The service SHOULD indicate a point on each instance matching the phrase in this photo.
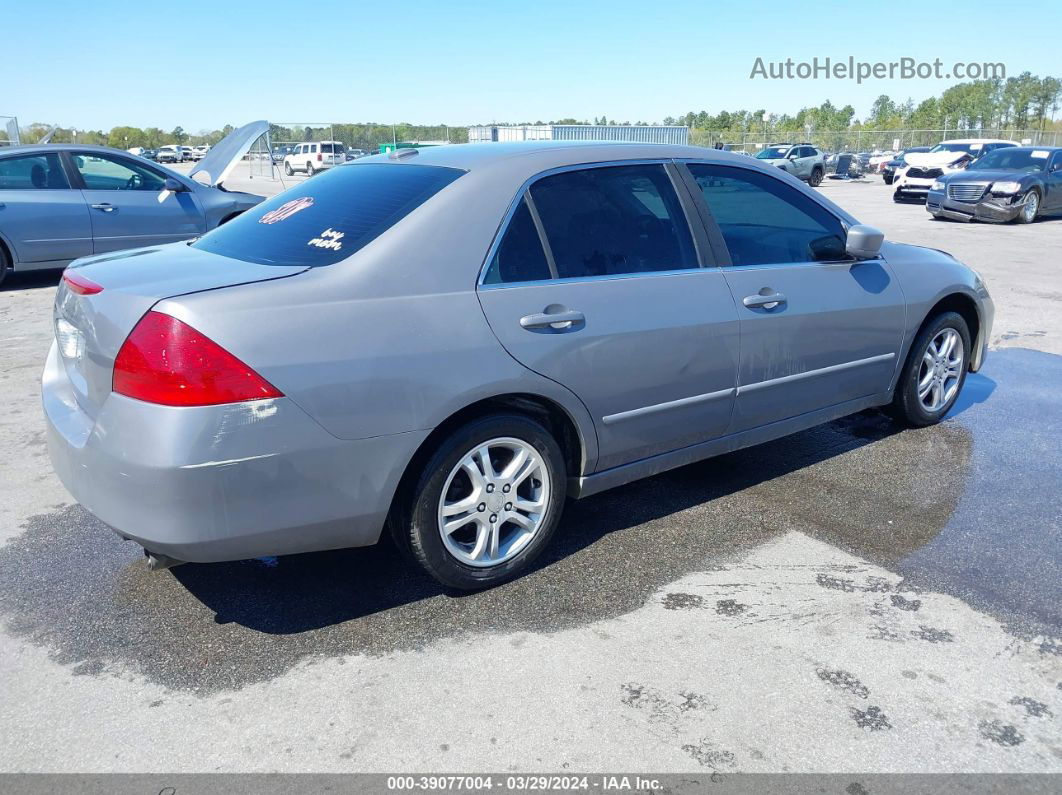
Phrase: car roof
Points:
(540, 155)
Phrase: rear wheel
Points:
(888, 179)
(816, 177)
(5, 264)
(309, 169)
(934, 373)
(485, 504)
(1030, 207)
(288, 169)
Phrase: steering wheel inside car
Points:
(135, 182)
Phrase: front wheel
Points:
(486, 503)
(934, 373)
(888, 179)
(1030, 207)
(5, 265)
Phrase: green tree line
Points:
(1025, 102)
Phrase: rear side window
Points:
(328, 218)
(613, 220)
(520, 257)
(765, 221)
(32, 172)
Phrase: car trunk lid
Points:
(90, 327)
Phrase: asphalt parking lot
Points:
(852, 598)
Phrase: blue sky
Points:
(203, 65)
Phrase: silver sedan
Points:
(450, 342)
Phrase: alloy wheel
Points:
(941, 370)
(1029, 209)
(494, 502)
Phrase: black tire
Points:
(816, 177)
(5, 264)
(1023, 217)
(888, 179)
(906, 407)
(287, 169)
(415, 524)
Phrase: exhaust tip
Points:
(159, 562)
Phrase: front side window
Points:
(765, 221)
(103, 172)
(613, 220)
(326, 219)
(32, 172)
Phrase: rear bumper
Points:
(993, 209)
(224, 482)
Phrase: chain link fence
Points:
(868, 140)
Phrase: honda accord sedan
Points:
(448, 343)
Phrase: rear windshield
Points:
(329, 217)
(329, 147)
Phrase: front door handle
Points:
(107, 208)
(561, 321)
(764, 298)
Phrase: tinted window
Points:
(32, 171)
(338, 148)
(613, 220)
(520, 257)
(765, 221)
(102, 172)
(328, 218)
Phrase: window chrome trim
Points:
(503, 227)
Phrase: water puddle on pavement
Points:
(970, 507)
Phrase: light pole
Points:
(766, 117)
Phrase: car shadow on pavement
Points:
(30, 280)
(69, 583)
(610, 551)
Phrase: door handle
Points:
(561, 321)
(767, 300)
(107, 208)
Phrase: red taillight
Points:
(166, 361)
(319, 157)
(80, 285)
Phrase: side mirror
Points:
(173, 186)
(791, 156)
(863, 242)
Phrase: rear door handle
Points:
(561, 321)
(768, 300)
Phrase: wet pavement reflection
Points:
(970, 507)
